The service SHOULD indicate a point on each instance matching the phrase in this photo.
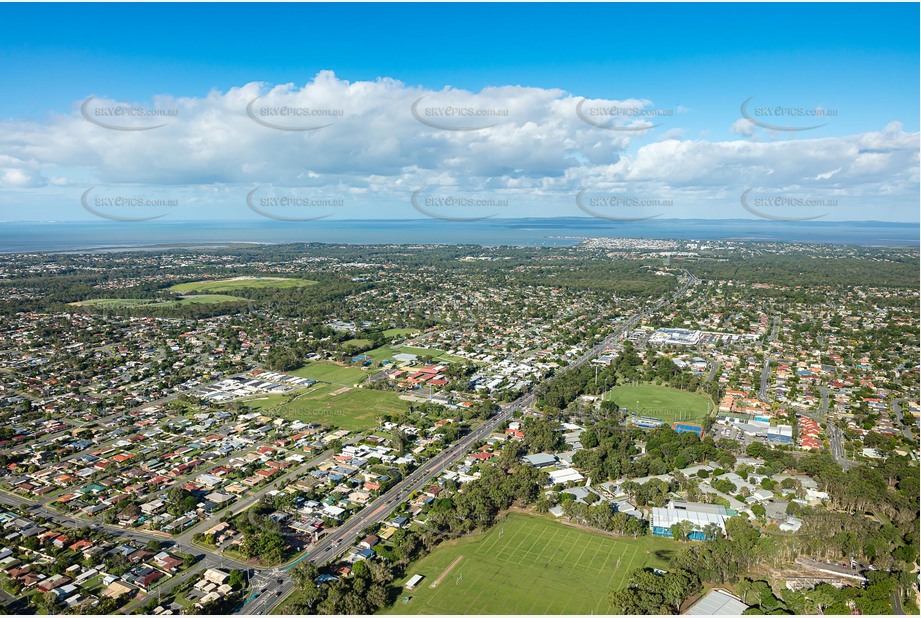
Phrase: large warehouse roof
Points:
(717, 603)
(565, 475)
(667, 517)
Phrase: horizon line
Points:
(418, 219)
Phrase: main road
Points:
(835, 444)
(897, 413)
(766, 368)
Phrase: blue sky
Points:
(697, 62)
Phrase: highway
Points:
(714, 368)
(897, 414)
(766, 368)
(765, 376)
(267, 590)
(833, 433)
(834, 443)
(823, 391)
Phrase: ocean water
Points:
(22, 237)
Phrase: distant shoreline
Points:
(158, 247)
(91, 236)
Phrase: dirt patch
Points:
(445, 572)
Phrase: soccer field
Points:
(436, 354)
(668, 404)
(528, 565)
(400, 332)
(354, 409)
(325, 371)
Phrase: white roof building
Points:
(717, 602)
(540, 460)
(698, 514)
(565, 475)
(413, 581)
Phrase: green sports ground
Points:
(663, 402)
(528, 564)
(355, 409)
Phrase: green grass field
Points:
(662, 402)
(116, 303)
(386, 352)
(356, 343)
(325, 371)
(436, 354)
(401, 332)
(380, 354)
(230, 285)
(355, 409)
(529, 564)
